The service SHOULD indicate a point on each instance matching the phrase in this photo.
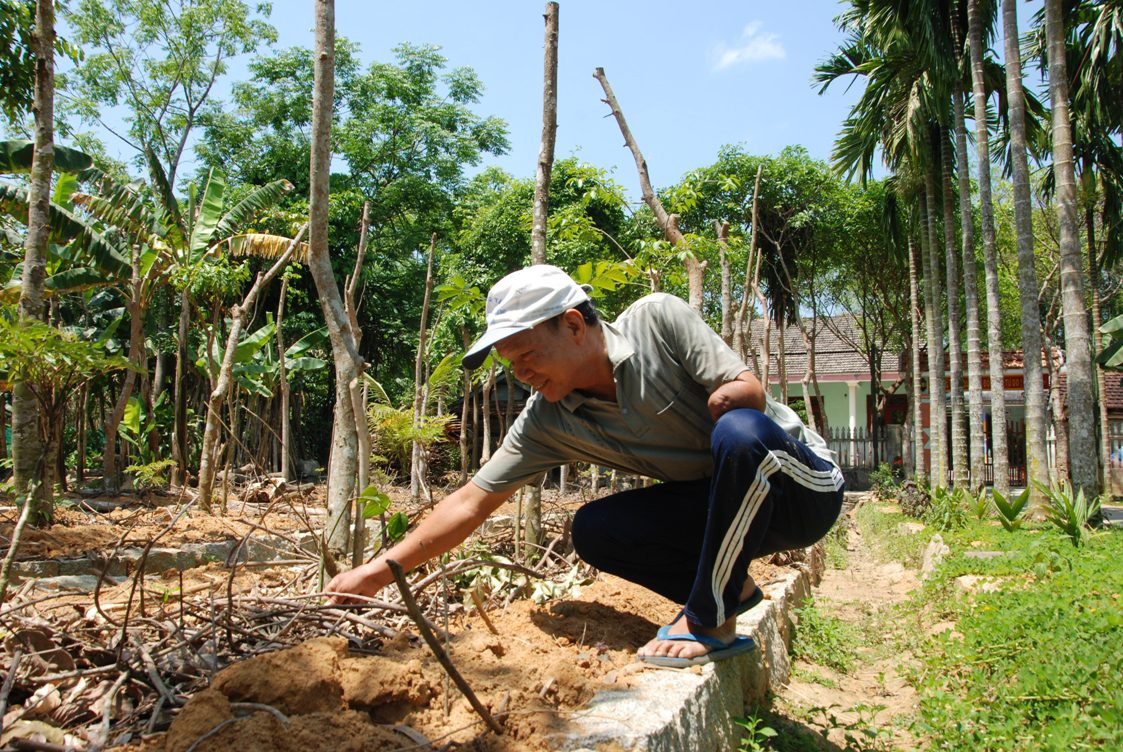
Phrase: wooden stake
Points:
(435, 646)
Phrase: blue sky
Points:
(688, 78)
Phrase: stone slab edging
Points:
(670, 710)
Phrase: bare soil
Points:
(254, 663)
(874, 696)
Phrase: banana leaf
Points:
(210, 213)
(241, 213)
(16, 155)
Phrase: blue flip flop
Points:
(719, 650)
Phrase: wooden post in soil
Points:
(532, 528)
(358, 394)
(695, 269)
(418, 464)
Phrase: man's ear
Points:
(574, 323)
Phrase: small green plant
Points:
(947, 510)
(374, 503)
(1010, 510)
(151, 474)
(756, 735)
(838, 557)
(980, 504)
(860, 735)
(1070, 510)
(823, 639)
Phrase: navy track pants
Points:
(692, 541)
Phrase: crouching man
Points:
(655, 393)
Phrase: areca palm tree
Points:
(901, 52)
(990, 252)
(1036, 457)
(1083, 449)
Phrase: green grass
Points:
(1036, 665)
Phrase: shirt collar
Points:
(620, 351)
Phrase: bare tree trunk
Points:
(782, 363)
(357, 392)
(283, 387)
(348, 364)
(722, 232)
(1089, 180)
(3, 432)
(743, 343)
(485, 400)
(465, 412)
(1036, 422)
(135, 306)
(920, 469)
(1081, 396)
(207, 458)
(27, 443)
(549, 135)
(960, 477)
(179, 431)
(417, 465)
(532, 529)
(695, 269)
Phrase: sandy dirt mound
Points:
(545, 661)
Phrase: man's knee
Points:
(587, 534)
(741, 429)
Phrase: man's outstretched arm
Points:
(450, 522)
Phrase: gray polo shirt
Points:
(666, 362)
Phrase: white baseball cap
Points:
(521, 301)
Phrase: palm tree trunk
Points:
(955, 353)
(1037, 458)
(1083, 451)
(287, 470)
(1089, 179)
(971, 305)
(937, 415)
(990, 259)
(920, 469)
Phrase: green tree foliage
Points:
(797, 207)
(52, 363)
(160, 61)
(405, 134)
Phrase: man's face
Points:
(543, 357)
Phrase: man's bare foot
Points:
(726, 632)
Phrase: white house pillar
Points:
(852, 390)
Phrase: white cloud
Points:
(754, 46)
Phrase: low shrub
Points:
(913, 500)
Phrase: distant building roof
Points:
(836, 357)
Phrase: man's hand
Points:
(365, 580)
(450, 522)
(744, 391)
